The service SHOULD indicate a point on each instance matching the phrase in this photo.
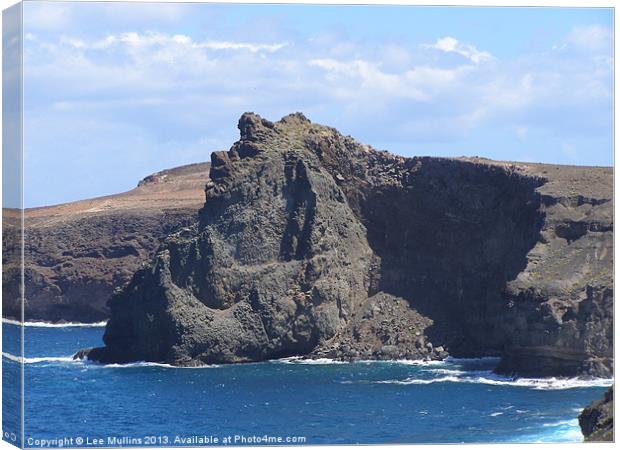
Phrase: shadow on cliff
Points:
(449, 241)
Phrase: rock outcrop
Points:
(597, 420)
(312, 244)
(76, 254)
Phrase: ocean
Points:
(289, 401)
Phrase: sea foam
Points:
(151, 364)
(71, 360)
(495, 380)
(55, 325)
(301, 360)
(327, 361)
(37, 360)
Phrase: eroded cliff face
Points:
(276, 264)
(76, 254)
(310, 243)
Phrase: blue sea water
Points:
(314, 403)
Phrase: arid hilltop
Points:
(78, 253)
(310, 243)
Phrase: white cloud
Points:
(167, 66)
(176, 82)
(143, 40)
(227, 45)
(417, 83)
(451, 45)
(591, 38)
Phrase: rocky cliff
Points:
(597, 420)
(310, 243)
(76, 254)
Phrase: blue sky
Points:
(114, 91)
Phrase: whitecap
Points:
(70, 359)
(491, 379)
(446, 371)
(571, 422)
(36, 360)
(149, 364)
(402, 362)
(543, 383)
(301, 360)
(55, 325)
(420, 381)
(12, 357)
(406, 362)
(418, 362)
(560, 431)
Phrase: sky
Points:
(116, 91)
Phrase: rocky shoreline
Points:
(597, 420)
(310, 243)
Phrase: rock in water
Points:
(275, 266)
(310, 243)
(597, 420)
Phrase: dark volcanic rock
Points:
(275, 266)
(310, 243)
(597, 420)
(76, 254)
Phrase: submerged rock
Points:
(310, 243)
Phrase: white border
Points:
(532, 3)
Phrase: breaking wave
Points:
(302, 360)
(327, 361)
(70, 360)
(150, 364)
(495, 380)
(428, 373)
(55, 325)
(37, 360)
(554, 432)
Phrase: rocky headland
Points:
(310, 243)
(76, 254)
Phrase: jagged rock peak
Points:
(259, 135)
(296, 117)
(252, 126)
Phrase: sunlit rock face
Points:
(310, 243)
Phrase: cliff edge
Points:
(77, 253)
(310, 243)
